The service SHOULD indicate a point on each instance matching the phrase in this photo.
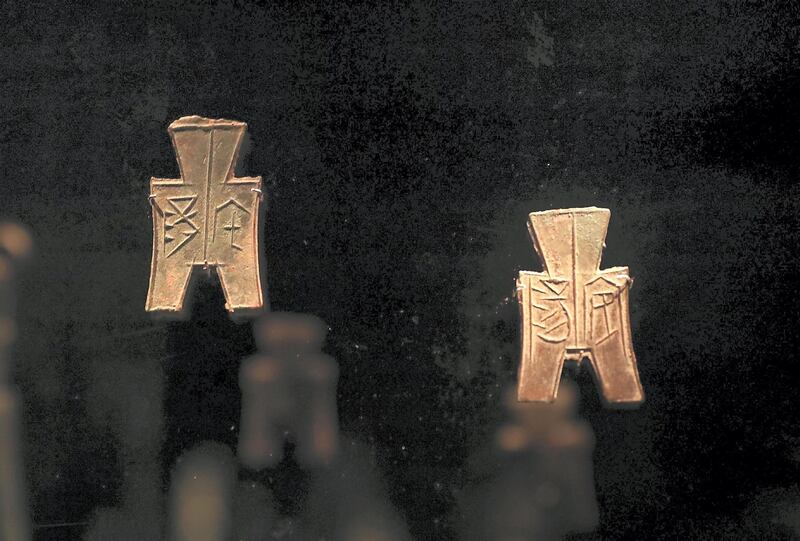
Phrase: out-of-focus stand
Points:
(15, 247)
(289, 392)
(289, 387)
(535, 480)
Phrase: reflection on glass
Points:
(535, 480)
(288, 387)
(15, 247)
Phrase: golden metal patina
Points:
(575, 311)
(206, 218)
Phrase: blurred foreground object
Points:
(348, 501)
(289, 386)
(15, 247)
(201, 495)
(207, 218)
(573, 310)
(207, 503)
(535, 481)
(127, 397)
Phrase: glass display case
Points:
(347, 357)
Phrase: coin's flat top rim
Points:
(195, 121)
(578, 210)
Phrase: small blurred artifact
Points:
(15, 247)
(208, 218)
(574, 311)
(289, 387)
(535, 481)
(201, 495)
(348, 502)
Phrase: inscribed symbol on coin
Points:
(207, 217)
(575, 311)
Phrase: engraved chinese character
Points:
(575, 311)
(207, 218)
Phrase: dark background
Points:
(402, 148)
